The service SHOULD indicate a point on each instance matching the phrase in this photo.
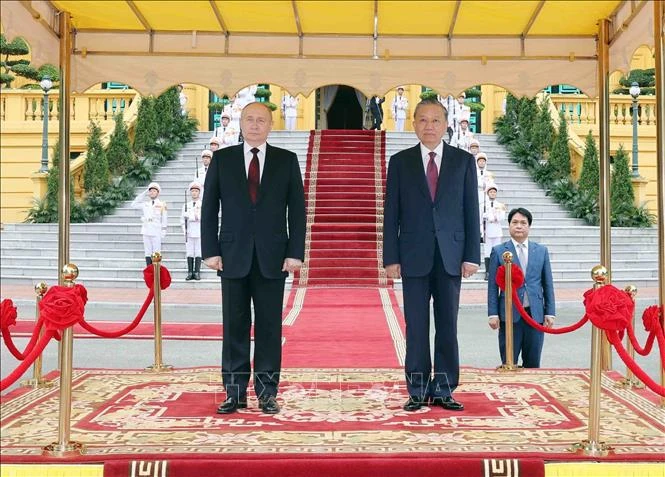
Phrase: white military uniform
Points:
(154, 221)
(462, 139)
(399, 109)
(290, 108)
(485, 177)
(494, 215)
(190, 222)
(456, 112)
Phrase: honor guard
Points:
(474, 147)
(494, 216)
(206, 158)
(220, 130)
(190, 221)
(290, 111)
(484, 177)
(463, 136)
(399, 109)
(215, 144)
(153, 219)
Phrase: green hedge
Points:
(527, 132)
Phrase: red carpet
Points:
(144, 331)
(345, 328)
(258, 466)
(344, 186)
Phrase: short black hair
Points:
(430, 101)
(522, 211)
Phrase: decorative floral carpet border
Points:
(529, 414)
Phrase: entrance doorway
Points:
(340, 107)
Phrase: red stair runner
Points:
(344, 187)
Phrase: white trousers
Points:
(491, 242)
(290, 123)
(193, 246)
(399, 125)
(152, 243)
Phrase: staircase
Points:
(109, 253)
(574, 247)
(345, 219)
(344, 183)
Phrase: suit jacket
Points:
(275, 226)
(413, 223)
(537, 282)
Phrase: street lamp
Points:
(46, 84)
(635, 93)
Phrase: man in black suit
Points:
(261, 239)
(376, 108)
(430, 240)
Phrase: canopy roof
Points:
(303, 44)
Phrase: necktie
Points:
(521, 254)
(253, 176)
(432, 175)
(492, 204)
(153, 202)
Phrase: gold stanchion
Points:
(158, 366)
(630, 381)
(37, 380)
(592, 446)
(64, 447)
(510, 361)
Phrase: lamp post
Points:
(46, 84)
(635, 93)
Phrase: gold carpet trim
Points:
(294, 312)
(393, 325)
(311, 205)
(378, 190)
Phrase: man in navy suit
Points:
(536, 295)
(430, 240)
(260, 240)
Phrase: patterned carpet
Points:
(332, 412)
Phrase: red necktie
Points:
(432, 175)
(253, 176)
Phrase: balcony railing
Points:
(97, 105)
(579, 109)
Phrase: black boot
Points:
(197, 269)
(190, 268)
(148, 260)
(487, 269)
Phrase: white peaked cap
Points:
(195, 185)
(154, 185)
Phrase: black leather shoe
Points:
(231, 405)
(269, 405)
(447, 403)
(414, 403)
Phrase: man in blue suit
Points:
(430, 240)
(536, 294)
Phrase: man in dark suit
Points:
(430, 239)
(376, 108)
(536, 294)
(261, 239)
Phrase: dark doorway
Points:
(345, 111)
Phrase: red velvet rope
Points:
(8, 318)
(164, 277)
(62, 307)
(613, 337)
(115, 334)
(517, 281)
(29, 359)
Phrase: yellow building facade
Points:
(21, 119)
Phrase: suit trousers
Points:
(445, 290)
(526, 340)
(268, 296)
